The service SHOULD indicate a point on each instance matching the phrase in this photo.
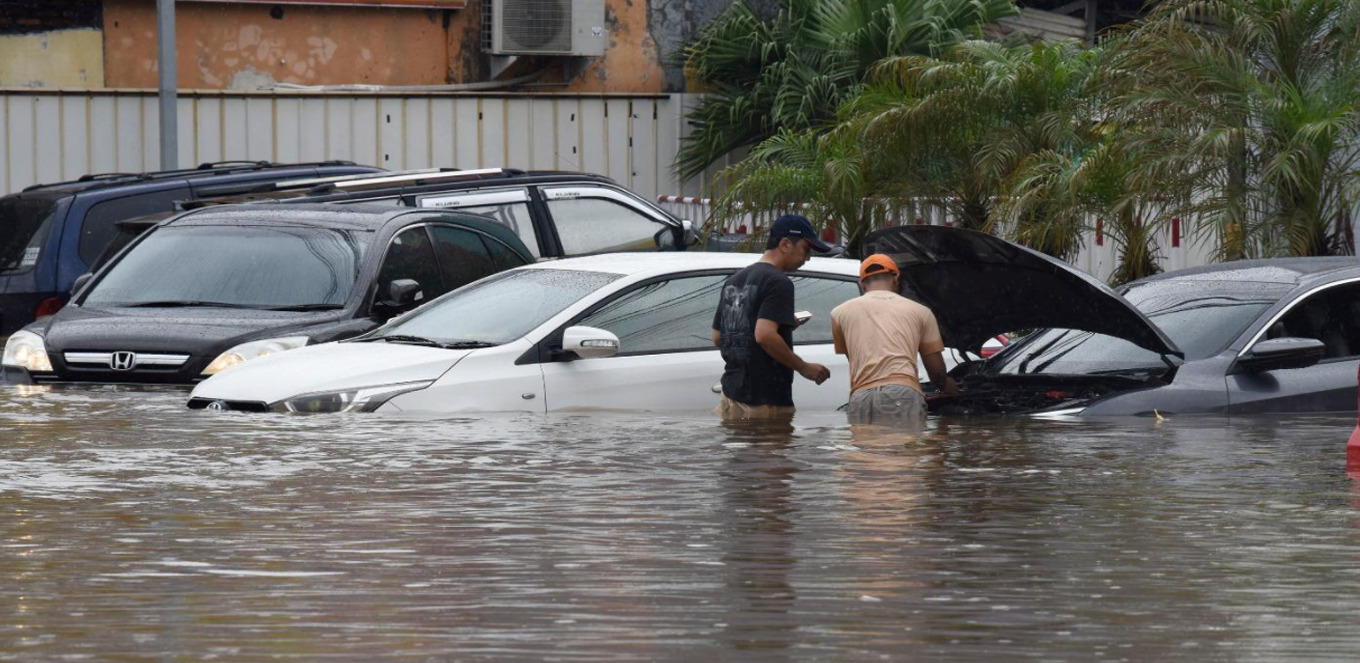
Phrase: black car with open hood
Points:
(1217, 339)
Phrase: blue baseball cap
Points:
(795, 227)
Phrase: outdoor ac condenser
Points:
(545, 27)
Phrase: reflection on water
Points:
(133, 529)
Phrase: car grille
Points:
(124, 361)
(234, 406)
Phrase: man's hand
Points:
(815, 372)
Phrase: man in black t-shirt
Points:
(754, 326)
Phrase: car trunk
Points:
(978, 286)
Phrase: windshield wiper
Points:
(402, 338)
(1024, 364)
(469, 345)
(187, 303)
(306, 307)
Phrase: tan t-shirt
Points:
(883, 332)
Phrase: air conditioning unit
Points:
(544, 27)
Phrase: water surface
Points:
(132, 529)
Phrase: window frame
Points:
(548, 193)
(1282, 311)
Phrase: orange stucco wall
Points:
(240, 46)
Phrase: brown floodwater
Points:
(132, 529)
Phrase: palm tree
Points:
(955, 129)
(791, 73)
(1255, 105)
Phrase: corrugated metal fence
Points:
(48, 136)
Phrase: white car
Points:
(618, 331)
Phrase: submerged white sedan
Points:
(619, 331)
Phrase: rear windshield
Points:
(25, 222)
(250, 266)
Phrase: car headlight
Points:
(366, 399)
(26, 350)
(253, 350)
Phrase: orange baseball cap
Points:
(876, 264)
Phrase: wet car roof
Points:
(629, 264)
(1287, 271)
(348, 217)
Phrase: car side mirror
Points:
(589, 342)
(402, 293)
(667, 239)
(1281, 353)
(80, 282)
(690, 234)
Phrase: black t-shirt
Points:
(752, 376)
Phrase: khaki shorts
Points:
(731, 410)
(893, 405)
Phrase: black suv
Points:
(556, 214)
(212, 288)
(51, 234)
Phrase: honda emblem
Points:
(123, 361)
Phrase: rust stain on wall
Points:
(227, 46)
(632, 62)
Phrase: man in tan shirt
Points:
(881, 333)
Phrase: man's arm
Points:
(838, 337)
(717, 338)
(934, 363)
(767, 335)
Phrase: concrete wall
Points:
(57, 59)
(248, 46)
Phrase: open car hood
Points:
(979, 285)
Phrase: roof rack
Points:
(405, 179)
(313, 181)
(203, 169)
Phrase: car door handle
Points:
(717, 387)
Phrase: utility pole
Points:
(169, 114)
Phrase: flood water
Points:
(132, 529)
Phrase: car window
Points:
(250, 266)
(24, 226)
(410, 256)
(1331, 316)
(463, 257)
(818, 295)
(501, 308)
(98, 229)
(514, 216)
(595, 225)
(504, 256)
(509, 207)
(665, 316)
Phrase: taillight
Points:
(49, 306)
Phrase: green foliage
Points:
(1241, 117)
(1252, 105)
(792, 72)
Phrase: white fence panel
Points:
(48, 136)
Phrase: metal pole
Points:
(165, 34)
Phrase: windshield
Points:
(1200, 317)
(499, 308)
(245, 266)
(24, 224)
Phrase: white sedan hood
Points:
(328, 367)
